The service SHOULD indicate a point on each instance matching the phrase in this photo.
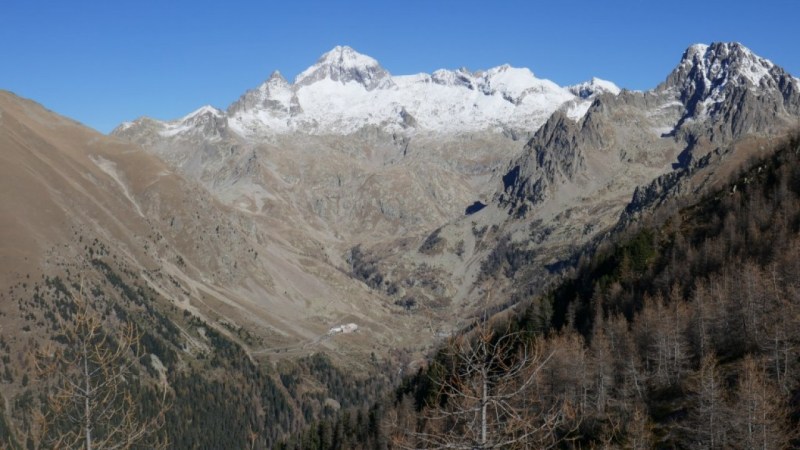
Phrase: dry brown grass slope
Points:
(64, 185)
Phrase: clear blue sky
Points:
(104, 62)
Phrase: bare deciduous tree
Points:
(709, 418)
(760, 414)
(489, 397)
(91, 402)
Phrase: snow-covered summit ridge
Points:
(345, 91)
(593, 87)
(344, 64)
(585, 94)
(201, 111)
(205, 120)
(708, 70)
(722, 62)
(708, 75)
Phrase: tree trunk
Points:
(87, 406)
(484, 398)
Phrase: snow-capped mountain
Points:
(731, 90)
(706, 70)
(345, 91)
(716, 95)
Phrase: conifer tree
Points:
(92, 386)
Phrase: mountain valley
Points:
(242, 240)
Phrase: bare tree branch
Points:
(91, 404)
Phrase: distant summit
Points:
(593, 87)
(345, 91)
(736, 91)
(344, 65)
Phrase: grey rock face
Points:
(408, 120)
(554, 148)
(666, 187)
(460, 77)
(264, 96)
(555, 155)
(209, 124)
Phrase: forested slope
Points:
(683, 333)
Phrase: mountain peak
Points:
(276, 81)
(202, 111)
(275, 94)
(721, 63)
(344, 64)
(732, 87)
(276, 76)
(732, 52)
(592, 87)
(694, 50)
(345, 56)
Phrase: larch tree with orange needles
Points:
(92, 381)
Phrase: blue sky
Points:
(104, 62)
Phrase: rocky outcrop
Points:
(208, 122)
(273, 95)
(551, 156)
(593, 88)
(669, 186)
